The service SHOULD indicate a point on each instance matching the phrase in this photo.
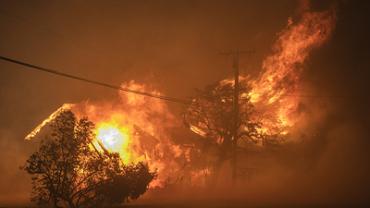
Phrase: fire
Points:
(198, 130)
(137, 127)
(114, 139)
(273, 92)
(35, 131)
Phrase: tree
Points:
(68, 171)
(211, 115)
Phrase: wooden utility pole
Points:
(235, 131)
(236, 115)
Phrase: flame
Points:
(114, 138)
(198, 130)
(137, 128)
(45, 122)
(273, 93)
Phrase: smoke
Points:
(15, 183)
(175, 44)
(329, 170)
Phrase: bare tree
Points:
(68, 171)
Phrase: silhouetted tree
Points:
(68, 171)
(211, 115)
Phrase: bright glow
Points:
(114, 138)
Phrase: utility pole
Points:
(236, 115)
(234, 143)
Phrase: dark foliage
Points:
(68, 171)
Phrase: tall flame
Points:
(275, 92)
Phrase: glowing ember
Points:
(198, 130)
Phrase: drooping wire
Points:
(71, 76)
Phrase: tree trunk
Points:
(71, 204)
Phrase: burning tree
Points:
(68, 171)
(211, 116)
(137, 128)
(271, 95)
(270, 105)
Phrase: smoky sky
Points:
(174, 46)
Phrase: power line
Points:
(70, 76)
(25, 20)
(20, 18)
(167, 98)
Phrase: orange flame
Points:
(114, 138)
(137, 128)
(274, 92)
